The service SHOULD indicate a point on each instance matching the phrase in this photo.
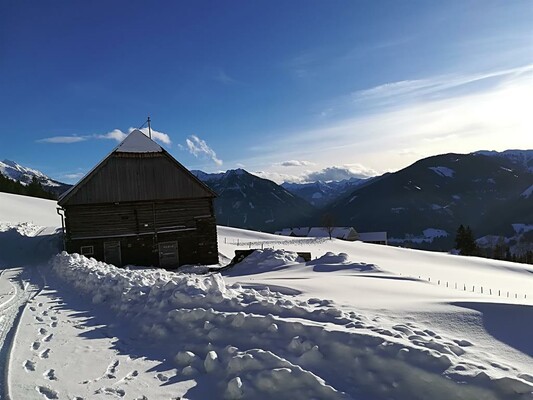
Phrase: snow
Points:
(428, 235)
(373, 236)
(24, 175)
(522, 228)
(443, 171)
(138, 142)
(359, 321)
(15, 209)
(434, 233)
(526, 193)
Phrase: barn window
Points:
(87, 250)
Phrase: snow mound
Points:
(23, 229)
(330, 262)
(266, 260)
(246, 343)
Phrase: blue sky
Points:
(286, 89)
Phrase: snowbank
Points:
(260, 344)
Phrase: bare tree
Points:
(328, 223)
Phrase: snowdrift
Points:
(264, 344)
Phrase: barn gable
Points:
(138, 169)
(140, 206)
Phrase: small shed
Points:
(339, 232)
(140, 206)
(373, 237)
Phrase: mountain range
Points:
(24, 175)
(419, 206)
(247, 201)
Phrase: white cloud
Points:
(224, 78)
(496, 114)
(295, 163)
(333, 173)
(277, 177)
(115, 134)
(340, 173)
(199, 148)
(73, 177)
(63, 139)
(156, 135)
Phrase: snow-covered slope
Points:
(25, 175)
(15, 208)
(524, 158)
(247, 201)
(359, 321)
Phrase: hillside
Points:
(247, 201)
(23, 180)
(320, 194)
(439, 193)
(359, 321)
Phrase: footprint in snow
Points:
(48, 337)
(39, 319)
(40, 304)
(162, 377)
(33, 308)
(50, 375)
(112, 391)
(53, 318)
(36, 345)
(45, 313)
(111, 370)
(44, 354)
(53, 324)
(131, 376)
(42, 331)
(48, 393)
(29, 366)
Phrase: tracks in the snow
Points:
(10, 314)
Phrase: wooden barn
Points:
(140, 206)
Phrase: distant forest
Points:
(33, 189)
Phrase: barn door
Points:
(112, 253)
(168, 254)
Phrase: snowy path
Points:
(66, 348)
(15, 293)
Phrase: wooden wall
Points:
(140, 226)
(124, 177)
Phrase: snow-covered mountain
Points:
(24, 175)
(247, 201)
(320, 193)
(489, 192)
(517, 157)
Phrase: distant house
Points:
(373, 237)
(141, 206)
(344, 233)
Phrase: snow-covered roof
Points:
(373, 236)
(138, 142)
(338, 232)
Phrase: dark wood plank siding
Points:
(108, 220)
(125, 177)
(194, 247)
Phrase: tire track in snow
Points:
(11, 313)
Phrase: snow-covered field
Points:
(359, 321)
